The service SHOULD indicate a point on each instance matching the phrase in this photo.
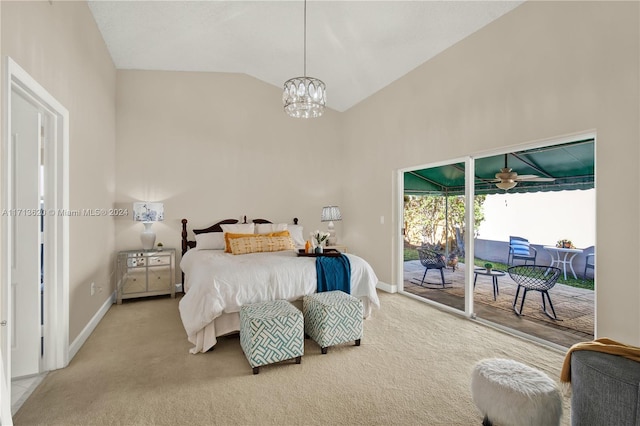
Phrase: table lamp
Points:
(329, 214)
(147, 213)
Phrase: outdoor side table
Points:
(494, 274)
(558, 259)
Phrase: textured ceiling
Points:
(355, 47)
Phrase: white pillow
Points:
(267, 228)
(238, 228)
(210, 241)
(297, 235)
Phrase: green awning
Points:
(571, 165)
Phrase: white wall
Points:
(544, 70)
(213, 146)
(541, 217)
(60, 46)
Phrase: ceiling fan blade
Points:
(508, 176)
(531, 178)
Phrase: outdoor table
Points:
(494, 274)
(563, 256)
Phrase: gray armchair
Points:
(604, 389)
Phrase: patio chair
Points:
(589, 263)
(534, 277)
(432, 260)
(519, 249)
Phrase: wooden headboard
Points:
(186, 244)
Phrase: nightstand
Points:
(339, 247)
(143, 273)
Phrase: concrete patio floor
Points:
(574, 307)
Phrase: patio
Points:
(574, 306)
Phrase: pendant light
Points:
(304, 97)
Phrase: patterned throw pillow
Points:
(261, 243)
(237, 228)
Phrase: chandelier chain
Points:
(305, 40)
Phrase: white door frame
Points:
(56, 268)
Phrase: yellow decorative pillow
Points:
(260, 243)
(284, 233)
(236, 228)
(228, 236)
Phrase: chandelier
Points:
(304, 97)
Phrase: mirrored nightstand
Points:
(145, 273)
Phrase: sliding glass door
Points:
(459, 257)
(434, 210)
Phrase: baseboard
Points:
(389, 288)
(88, 329)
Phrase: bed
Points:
(216, 283)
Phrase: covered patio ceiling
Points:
(571, 166)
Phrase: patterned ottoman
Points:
(270, 332)
(332, 317)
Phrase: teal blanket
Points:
(334, 273)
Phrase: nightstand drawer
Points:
(159, 260)
(135, 281)
(136, 262)
(158, 279)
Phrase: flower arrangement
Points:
(565, 244)
(319, 238)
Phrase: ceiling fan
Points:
(507, 178)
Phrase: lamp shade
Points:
(148, 212)
(331, 213)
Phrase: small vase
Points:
(318, 250)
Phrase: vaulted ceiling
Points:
(355, 47)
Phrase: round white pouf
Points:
(508, 392)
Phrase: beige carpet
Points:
(412, 368)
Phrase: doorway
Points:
(35, 249)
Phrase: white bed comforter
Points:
(218, 283)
